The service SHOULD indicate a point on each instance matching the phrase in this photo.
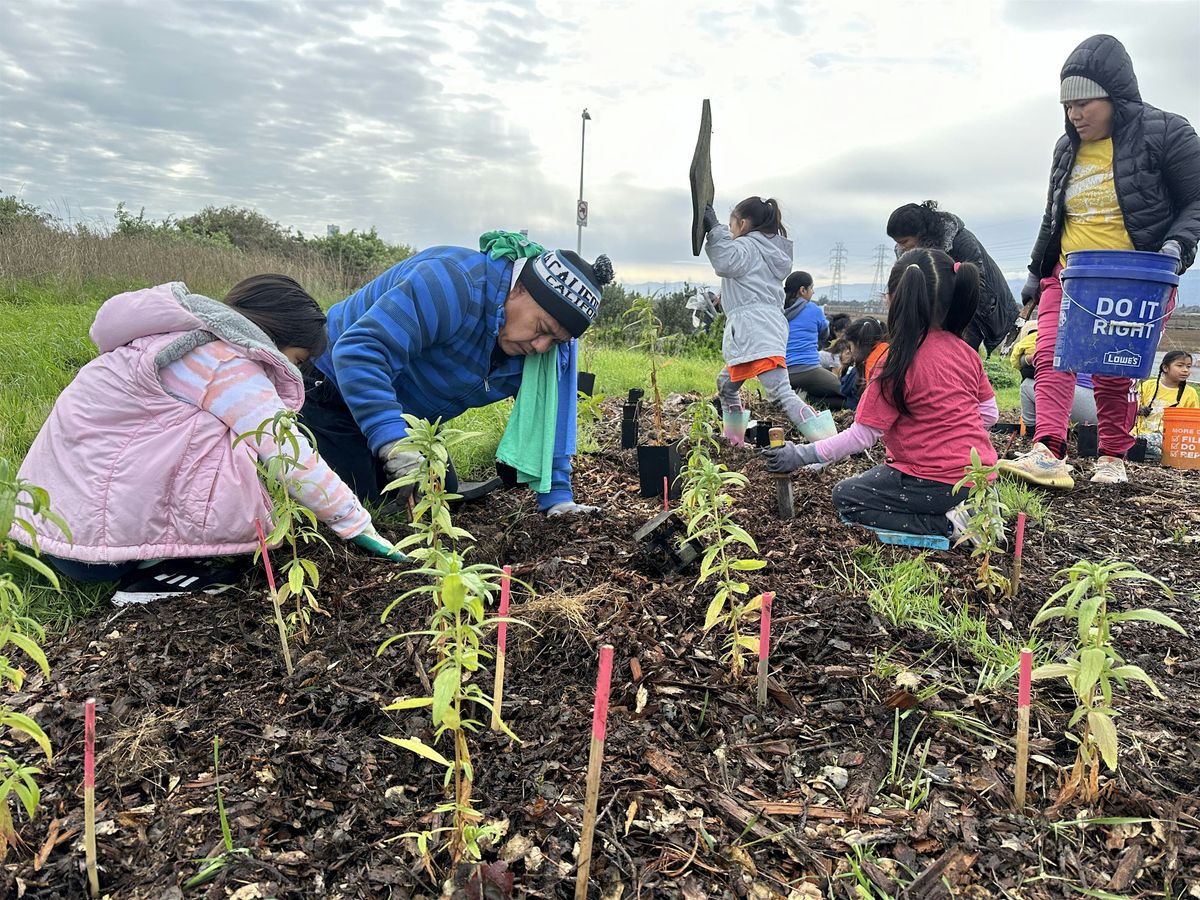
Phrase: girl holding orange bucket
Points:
(1166, 390)
(1125, 176)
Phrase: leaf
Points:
(1087, 617)
(445, 689)
(1104, 732)
(1055, 670)
(454, 592)
(1091, 664)
(750, 643)
(713, 616)
(409, 703)
(31, 649)
(1137, 674)
(419, 747)
(748, 565)
(1147, 615)
(296, 579)
(21, 722)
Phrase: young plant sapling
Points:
(460, 594)
(710, 521)
(211, 865)
(18, 500)
(1094, 665)
(590, 412)
(295, 523)
(647, 330)
(986, 527)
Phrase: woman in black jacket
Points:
(924, 225)
(1125, 176)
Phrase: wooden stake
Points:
(283, 641)
(595, 757)
(1023, 697)
(89, 794)
(1015, 582)
(783, 483)
(501, 640)
(764, 647)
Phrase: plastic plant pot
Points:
(655, 464)
(819, 427)
(585, 382)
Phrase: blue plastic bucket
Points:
(1113, 307)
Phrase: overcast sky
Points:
(435, 121)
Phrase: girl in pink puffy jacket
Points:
(138, 452)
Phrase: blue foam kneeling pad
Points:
(903, 538)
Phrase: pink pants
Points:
(1116, 396)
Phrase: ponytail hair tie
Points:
(913, 266)
(956, 265)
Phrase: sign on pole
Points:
(581, 210)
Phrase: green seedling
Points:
(1094, 666)
(912, 790)
(703, 428)
(18, 500)
(286, 439)
(708, 507)
(460, 594)
(590, 412)
(647, 329)
(986, 528)
(211, 865)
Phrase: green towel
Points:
(528, 442)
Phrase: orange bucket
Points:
(1181, 438)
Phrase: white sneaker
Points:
(960, 526)
(1110, 470)
(1040, 466)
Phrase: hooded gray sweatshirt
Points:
(752, 269)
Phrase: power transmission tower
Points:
(837, 259)
(877, 279)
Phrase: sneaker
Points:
(1040, 466)
(960, 526)
(961, 532)
(1110, 470)
(176, 578)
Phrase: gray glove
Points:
(710, 219)
(371, 541)
(396, 462)
(790, 457)
(568, 507)
(1172, 248)
(1029, 293)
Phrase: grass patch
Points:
(910, 593)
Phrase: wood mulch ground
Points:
(702, 795)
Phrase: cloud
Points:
(436, 122)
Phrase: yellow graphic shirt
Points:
(1094, 220)
(1158, 401)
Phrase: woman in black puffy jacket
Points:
(1125, 176)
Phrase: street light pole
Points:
(578, 209)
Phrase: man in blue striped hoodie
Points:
(445, 331)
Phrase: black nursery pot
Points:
(1087, 441)
(762, 434)
(635, 395)
(629, 425)
(655, 464)
(585, 382)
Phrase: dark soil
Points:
(702, 795)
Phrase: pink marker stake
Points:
(283, 641)
(501, 642)
(1023, 696)
(595, 757)
(1020, 543)
(764, 647)
(89, 794)
(666, 495)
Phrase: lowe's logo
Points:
(1122, 358)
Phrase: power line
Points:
(837, 259)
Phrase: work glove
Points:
(710, 219)
(396, 464)
(1172, 248)
(1029, 293)
(790, 457)
(371, 541)
(570, 508)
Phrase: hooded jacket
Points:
(1156, 162)
(752, 269)
(135, 472)
(997, 309)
